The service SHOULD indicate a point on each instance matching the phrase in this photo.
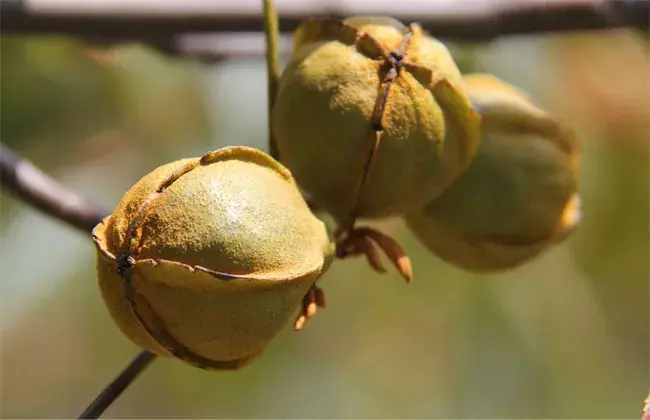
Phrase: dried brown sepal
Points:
(320, 297)
(372, 254)
(395, 253)
(311, 307)
(300, 322)
(363, 241)
(313, 300)
(361, 245)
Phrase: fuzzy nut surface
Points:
(367, 138)
(223, 250)
(519, 195)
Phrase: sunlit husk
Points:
(325, 112)
(224, 247)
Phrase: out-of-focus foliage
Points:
(50, 89)
(565, 336)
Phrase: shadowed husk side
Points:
(519, 195)
(223, 250)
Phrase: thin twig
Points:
(119, 384)
(36, 188)
(272, 35)
(160, 24)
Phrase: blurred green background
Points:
(565, 336)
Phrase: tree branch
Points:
(161, 23)
(36, 188)
(119, 384)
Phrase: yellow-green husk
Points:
(358, 159)
(225, 248)
(518, 197)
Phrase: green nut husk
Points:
(518, 197)
(206, 259)
(371, 117)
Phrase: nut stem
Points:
(118, 385)
(272, 34)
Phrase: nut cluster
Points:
(206, 259)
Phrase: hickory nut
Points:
(205, 259)
(371, 118)
(519, 195)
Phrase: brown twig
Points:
(119, 384)
(36, 188)
(114, 21)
